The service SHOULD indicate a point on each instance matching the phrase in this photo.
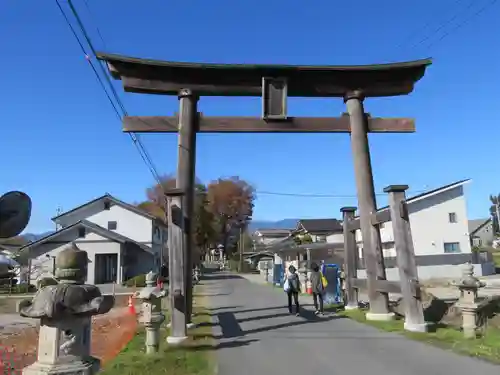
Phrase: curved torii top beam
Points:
(207, 79)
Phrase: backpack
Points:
(293, 283)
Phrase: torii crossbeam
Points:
(275, 83)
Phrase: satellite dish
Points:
(15, 213)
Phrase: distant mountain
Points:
(31, 237)
(280, 224)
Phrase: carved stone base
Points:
(351, 307)
(171, 340)
(88, 366)
(416, 327)
(380, 317)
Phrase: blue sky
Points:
(63, 145)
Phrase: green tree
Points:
(204, 231)
(231, 202)
(494, 211)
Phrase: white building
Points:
(267, 237)
(121, 240)
(440, 233)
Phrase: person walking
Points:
(318, 288)
(292, 289)
(342, 284)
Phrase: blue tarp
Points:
(278, 274)
(332, 292)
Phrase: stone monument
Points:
(469, 303)
(152, 317)
(65, 311)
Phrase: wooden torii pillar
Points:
(275, 83)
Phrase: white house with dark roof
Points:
(440, 233)
(267, 237)
(121, 240)
(481, 232)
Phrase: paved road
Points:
(258, 336)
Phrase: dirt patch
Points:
(8, 305)
(110, 334)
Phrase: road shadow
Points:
(229, 325)
(312, 320)
(213, 294)
(223, 277)
(212, 309)
(231, 328)
(268, 308)
(218, 346)
(242, 320)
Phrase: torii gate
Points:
(274, 83)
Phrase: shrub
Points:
(24, 288)
(139, 280)
(247, 267)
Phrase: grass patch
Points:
(194, 357)
(496, 258)
(443, 336)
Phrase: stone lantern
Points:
(469, 302)
(65, 311)
(152, 317)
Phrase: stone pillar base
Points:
(171, 340)
(384, 317)
(416, 327)
(87, 366)
(351, 307)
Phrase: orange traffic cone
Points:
(131, 307)
(309, 287)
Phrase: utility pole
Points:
(58, 212)
(240, 244)
(497, 210)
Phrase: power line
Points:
(93, 18)
(460, 25)
(417, 31)
(443, 25)
(455, 16)
(135, 139)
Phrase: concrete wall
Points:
(430, 225)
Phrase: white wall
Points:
(337, 238)
(92, 243)
(129, 224)
(270, 240)
(446, 271)
(430, 224)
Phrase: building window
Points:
(112, 225)
(81, 232)
(107, 205)
(320, 238)
(451, 247)
(452, 217)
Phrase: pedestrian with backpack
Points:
(292, 289)
(318, 288)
